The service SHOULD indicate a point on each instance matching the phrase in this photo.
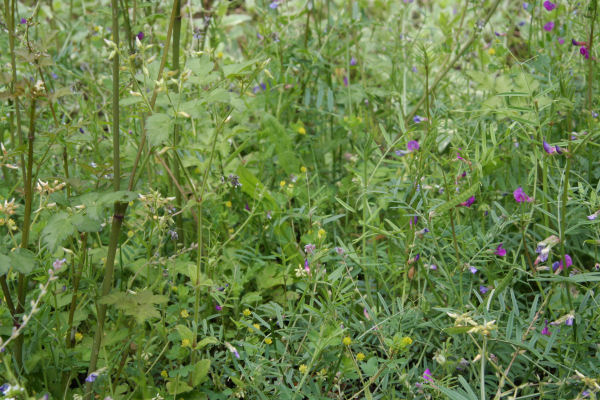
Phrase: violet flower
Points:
(500, 251)
(309, 248)
(545, 330)
(548, 5)
(483, 289)
(412, 145)
(427, 375)
(140, 35)
(418, 119)
(520, 196)
(549, 26)
(473, 269)
(583, 50)
(353, 61)
(469, 202)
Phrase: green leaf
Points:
(22, 260)
(235, 19)
(206, 341)
(201, 66)
(453, 330)
(179, 387)
(200, 372)
(159, 129)
(185, 332)
(4, 264)
(58, 228)
(83, 223)
(453, 202)
(238, 69)
(123, 196)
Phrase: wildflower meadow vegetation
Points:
(299, 199)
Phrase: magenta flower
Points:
(520, 196)
(345, 80)
(469, 202)
(306, 266)
(500, 251)
(549, 26)
(548, 5)
(584, 52)
(561, 40)
(412, 145)
(218, 307)
(546, 331)
(578, 43)
(353, 61)
(427, 375)
(140, 35)
(23, 21)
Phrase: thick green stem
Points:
(119, 208)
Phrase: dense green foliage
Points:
(299, 199)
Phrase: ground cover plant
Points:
(299, 199)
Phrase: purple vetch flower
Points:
(232, 349)
(418, 119)
(140, 35)
(483, 289)
(414, 69)
(23, 21)
(561, 40)
(585, 393)
(345, 80)
(269, 216)
(306, 266)
(569, 320)
(413, 220)
(594, 114)
(520, 196)
(353, 61)
(91, 377)
(309, 248)
(578, 43)
(412, 145)
(545, 330)
(548, 5)
(550, 149)
(274, 5)
(558, 265)
(583, 50)
(366, 313)
(500, 251)
(433, 267)
(174, 234)
(58, 263)
(247, 207)
(472, 269)
(549, 26)
(521, 23)
(593, 216)
(469, 202)
(339, 251)
(218, 307)
(525, 6)
(427, 375)
(263, 86)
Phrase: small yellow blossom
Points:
(230, 231)
(268, 340)
(405, 342)
(321, 233)
(291, 186)
(347, 341)
(228, 204)
(130, 234)
(301, 130)
(164, 374)
(303, 368)
(220, 54)
(303, 169)
(246, 313)
(78, 336)
(282, 183)
(360, 356)
(256, 326)
(184, 313)
(186, 343)
(491, 51)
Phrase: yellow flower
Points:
(268, 340)
(321, 233)
(491, 51)
(246, 313)
(184, 313)
(405, 342)
(347, 341)
(303, 169)
(291, 185)
(220, 54)
(302, 368)
(301, 130)
(360, 356)
(78, 336)
(231, 231)
(130, 234)
(256, 326)
(228, 204)
(282, 183)
(185, 343)
(164, 374)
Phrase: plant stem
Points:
(175, 165)
(590, 77)
(119, 208)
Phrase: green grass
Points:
(232, 205)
